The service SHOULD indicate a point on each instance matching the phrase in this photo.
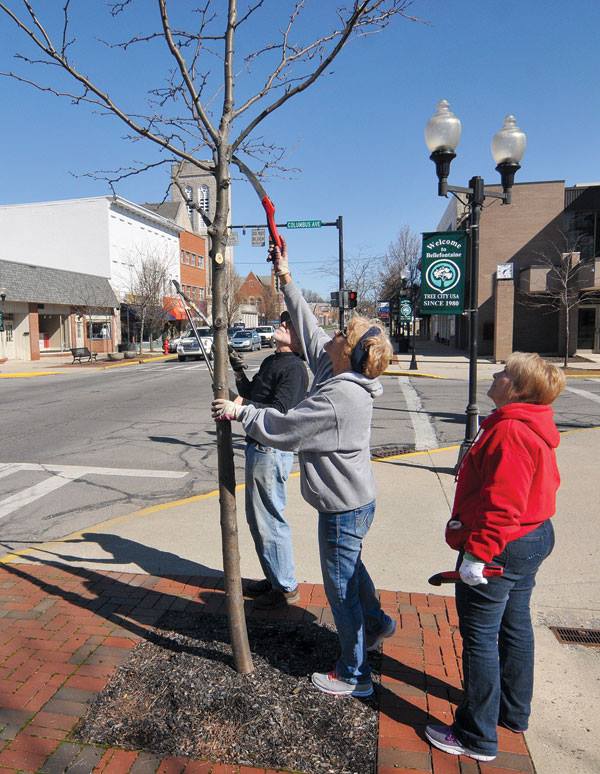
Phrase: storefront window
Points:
(581, 227)
(99, 330)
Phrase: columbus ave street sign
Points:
(304, 224)
(442, 272)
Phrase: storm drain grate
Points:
(568, 636)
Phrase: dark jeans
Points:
(350, 591)
(498, 653)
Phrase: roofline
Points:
(527, 182)
(51, 268)
(138, 209)
(117, 200)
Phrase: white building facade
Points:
(106, 237)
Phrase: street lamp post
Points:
(442, 135)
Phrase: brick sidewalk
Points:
(65, 630)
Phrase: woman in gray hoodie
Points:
(331, 432)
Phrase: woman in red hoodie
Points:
(505, 497)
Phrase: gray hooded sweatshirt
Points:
(330, 428)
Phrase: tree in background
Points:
(227, 66)
(148, 285)
(312, 296)
(566, 277)
(400, 271)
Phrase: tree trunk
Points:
(229, 530)
(567, 337)
(142, 331)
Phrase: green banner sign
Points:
(304, 224)
(406, 310)
(443, 263)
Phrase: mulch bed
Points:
(178, 694)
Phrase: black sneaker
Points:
(275, 598)
(255, 587)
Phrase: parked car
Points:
(188, 346)
(173, 343)
(246, 339)
(267, 335)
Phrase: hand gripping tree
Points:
(195, 114)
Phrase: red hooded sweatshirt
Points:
(508, 481)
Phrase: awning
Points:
(174, 308)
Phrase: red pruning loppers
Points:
(453, 576)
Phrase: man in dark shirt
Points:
(280, 383)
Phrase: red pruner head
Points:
(274, 238)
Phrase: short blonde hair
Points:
(534, 380)
(378, 346)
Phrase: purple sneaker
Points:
(443, 738)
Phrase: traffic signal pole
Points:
(340, 227)
(339, 224)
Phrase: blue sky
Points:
(356, 135)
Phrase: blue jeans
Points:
(498, 650)
(267, 472)
(349, 588)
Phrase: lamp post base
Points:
(413, 363)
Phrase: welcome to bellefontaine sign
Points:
(443, 261)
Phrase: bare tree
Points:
(564, 277)
(312, 296)
(94, 305)
(400, 269)
(360, 274)
(199, 112)
(149, 283)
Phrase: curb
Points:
(10, 557)
(416, 374)
(139, 361)
(29, 374)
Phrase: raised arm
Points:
(312, 336)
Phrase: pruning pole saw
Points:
(268, 206)
(187, 303)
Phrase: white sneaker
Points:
(331, 684)
(443, 738)
(374, 642)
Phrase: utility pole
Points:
(340, 227)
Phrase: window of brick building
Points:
(203, 198)
(192, 259)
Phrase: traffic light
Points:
(335, 298)
(352, 299)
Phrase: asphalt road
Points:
(88, 445)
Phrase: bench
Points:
(80, 352)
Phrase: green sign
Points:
(304, 224)
(442, 272)
(406, 310)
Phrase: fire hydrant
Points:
(166, 346)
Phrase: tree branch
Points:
(49, 49)
(365, 12)
(185, 74)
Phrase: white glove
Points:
(280, 259)
(471, 571)
(225, 409)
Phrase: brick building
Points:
(515, 291)
(258, 293)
